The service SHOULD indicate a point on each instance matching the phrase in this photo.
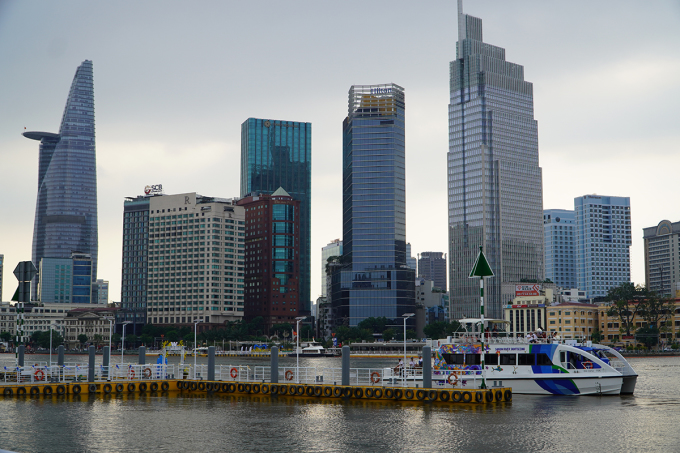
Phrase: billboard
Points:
(527, 290)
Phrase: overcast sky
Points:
(175, 80)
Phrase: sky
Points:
(175, 80)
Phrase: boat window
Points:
(526, 359)
(508, 359)
(543, 359)
(453, 359)
(491, 359)
(473, 359)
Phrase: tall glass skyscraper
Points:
(276, 153)
(374, 280)
(494, 181)
(66, 209)
(559, 229)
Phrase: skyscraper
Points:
(277, 153)
(374, 280)
(66, 208)
(494, 182)
(559, 227)
(602, 243)
(432, 266)
(333, 248)
(272, 254)
(662, 247)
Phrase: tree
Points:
(131, 340)
(596, 336)
(649, 336)
(388, 334)
(625, 304)
(115, 338)
(97, 339)
(656, 310)
(435, 330)
(374, 325)
(6, 336)
(82, 338)
(146, 339)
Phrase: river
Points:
(647, 421)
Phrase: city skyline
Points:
(161, 122)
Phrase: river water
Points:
(647, 421)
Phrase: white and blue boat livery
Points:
(542, 367)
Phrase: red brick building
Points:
(272, 257)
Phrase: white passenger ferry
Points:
(542, 366)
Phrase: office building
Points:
(277, 153)
(66, 208)
(272, 257)
(559, 229)
(572, 320)
(432, 266)
(662, 247)
(195, 260)
(494, 180)
(102, 292)
(65, 280)
(374, 279)
(333, 248)
(133, 292)
(603, 239)
(411, 261)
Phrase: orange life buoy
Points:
(233, 372)
(588, 365)
(131, 373)
(147, 373)
(40, 376)
(375, 377)
(289, 375)
(453, 378)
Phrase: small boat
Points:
(312, 349)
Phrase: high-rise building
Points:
(333, 248)
(432, 266)
(494, 182)
(559, 228)
(2, 263)
(102, 292)
(374, 280)
(277, 153)
(411, 261)
(66, 208)
(136, 238)
(195, 260)
(272, 257)
(65, 280)
(602, 243)
(662, 258)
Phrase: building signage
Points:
(527, 290)
(153, 190)
(527, 306)
(381, 90)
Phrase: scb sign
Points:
(152, 190)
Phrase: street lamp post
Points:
(297, 350)
(50, 346)
(195, 338)
(122, 342)
(406, 316)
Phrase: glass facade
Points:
(332, 249)
(66, 280)
(662, 246)
(494, 182)
(135, 263)
(277, 154)
(374, 280)
(66, 208)
(432, 266)
(602, 243)
(559, 227)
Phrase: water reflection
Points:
(174, 422)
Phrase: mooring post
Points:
(427, 367)
(345, 365)
(142, 355)
(60, 358)
(20, 355)
(274, 378)
(105, 363)
(211, 363)
(90, 367)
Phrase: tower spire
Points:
(461, 21)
